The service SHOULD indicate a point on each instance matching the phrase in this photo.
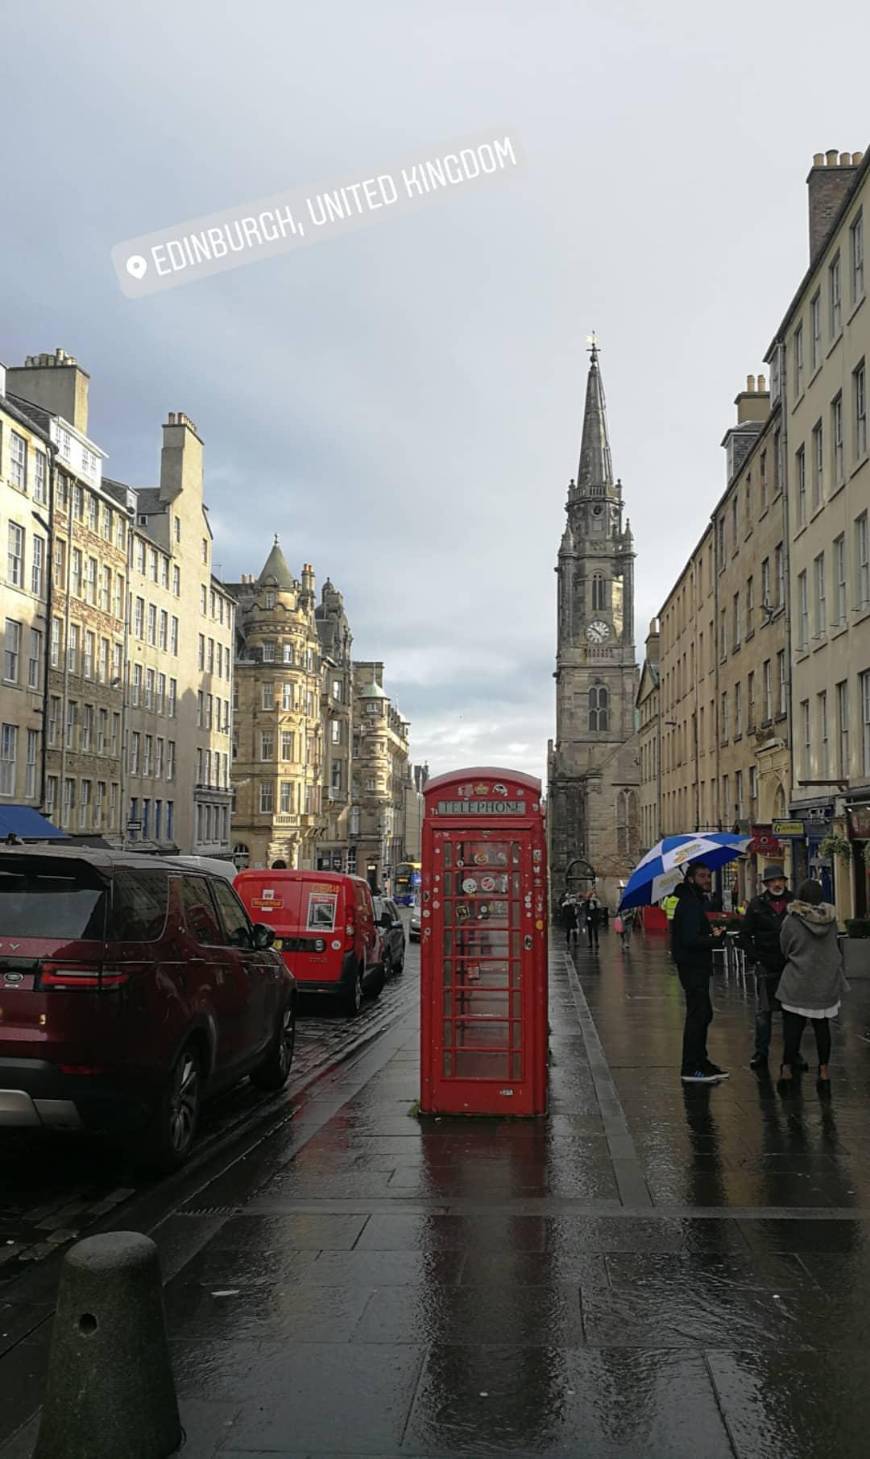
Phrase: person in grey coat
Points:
(812, 981)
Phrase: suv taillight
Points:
(54, 975)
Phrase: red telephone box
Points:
(483, 945)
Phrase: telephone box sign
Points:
(484, 945)
(480, 808)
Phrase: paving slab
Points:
(650, 1272)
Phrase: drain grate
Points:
(212, 1211)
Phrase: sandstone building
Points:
(380, 759)
(278, 752)
(81, 788)
(136, 633)
(818, 359)
(336, 698)
(26, 450)
(179, 659)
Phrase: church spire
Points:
(595, 468)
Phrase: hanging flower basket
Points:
(836, 845)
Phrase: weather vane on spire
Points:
(592, 346)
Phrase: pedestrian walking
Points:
(569, 920)
(692, 941)
(760, 936)
(623, 923)
(812, 983)
(592, 911)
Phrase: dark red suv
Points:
(131, 988)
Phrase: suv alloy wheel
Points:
(173, 1128)
(274, 1071)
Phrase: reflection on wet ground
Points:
(650, 1272)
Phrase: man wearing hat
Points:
(761, 928)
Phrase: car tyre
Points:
(274, 1071)
(375, 986)
(353, 994)
(170, 1136)
(400, 965)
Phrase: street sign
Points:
(796, 830)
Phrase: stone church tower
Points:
(592, 765)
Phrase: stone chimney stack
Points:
(181, 457)
(753, 403)
(56, 382)
(651, 650)
(829, 180)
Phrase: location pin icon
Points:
(137, 266)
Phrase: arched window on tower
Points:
(598, 702)
(599, 591)
(627, 829)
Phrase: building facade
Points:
(88, 535)
(137, 634)
(179, 660)
(818, 361)
(25, 471)
(336, 697)
(592, 763)
(649, 740)
(379, 771)
(278, 758)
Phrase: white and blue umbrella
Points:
(664, 866)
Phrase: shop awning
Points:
(28, 824)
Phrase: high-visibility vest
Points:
(670, 906)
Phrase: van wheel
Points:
(172, 1132)
(274, 1071)
(353, 994)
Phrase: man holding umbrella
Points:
(683, 863)
(692, 941)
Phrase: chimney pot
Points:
(845, 159)
(818, 159)
(831, 157)
(857, 158)
(750, 384)
(762, 384)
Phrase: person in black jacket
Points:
(761, 928)
(692, 942)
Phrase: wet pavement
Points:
(651, 1272)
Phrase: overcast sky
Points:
(403, 404)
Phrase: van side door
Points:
(365, 916)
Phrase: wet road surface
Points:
(652, 1272)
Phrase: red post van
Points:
(324, 925)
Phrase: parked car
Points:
(132, 989)
(414, 924)
(392, 928)
(215, 864)
(325, 927)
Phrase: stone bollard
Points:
(110, 1393)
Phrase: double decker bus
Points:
(407, 883)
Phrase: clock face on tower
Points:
(598, 631)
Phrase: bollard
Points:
(110, 1391)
